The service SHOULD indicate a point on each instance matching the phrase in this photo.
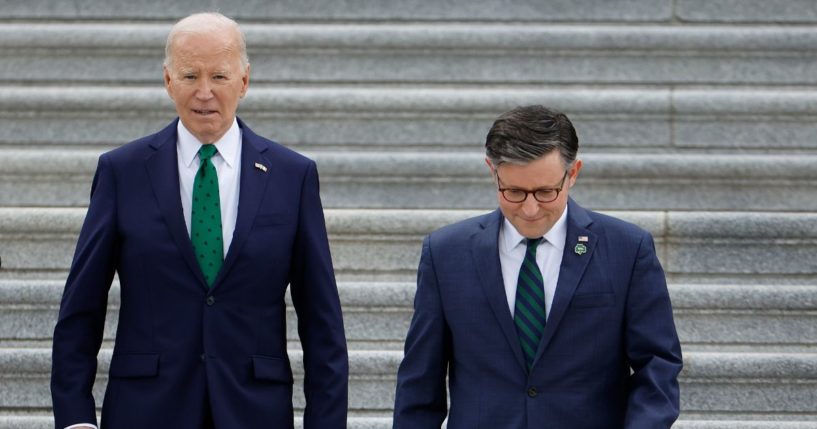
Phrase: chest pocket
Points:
(593, 300)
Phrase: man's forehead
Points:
(193, 54)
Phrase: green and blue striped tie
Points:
(205, 219)
(529, 310)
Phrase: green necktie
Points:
(529, 310)
(205, 220)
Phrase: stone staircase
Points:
(697, 120)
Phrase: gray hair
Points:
(528, 133)
(206, 22)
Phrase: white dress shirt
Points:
(549, 252)
(227, 162)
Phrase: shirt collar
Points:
(227, 145)
(556, 236)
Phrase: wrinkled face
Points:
(533, 218)
(206, 80)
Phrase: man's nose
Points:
(204, 90)
(530, 206)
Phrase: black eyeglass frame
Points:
(557, 191)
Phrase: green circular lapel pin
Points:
(580, 249)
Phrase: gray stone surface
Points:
(735, 118)
(677, 181)
(747, 243)
(479, 10)
(432, 118)
(368, 118)
(451, 52)
(747, 11)
(377, 314)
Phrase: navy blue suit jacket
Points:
(180, 346)
(609, 356)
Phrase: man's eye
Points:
(219, 77)
(189, 77)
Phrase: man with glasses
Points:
(540, 314)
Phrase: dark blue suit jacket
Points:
(180, 346)
(609, 357)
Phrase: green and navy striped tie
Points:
(205, 220)
(529, 310)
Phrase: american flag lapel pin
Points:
(581, 248)
(261, 167)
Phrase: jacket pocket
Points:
(592, 300)
(134, 365)
(271, 369)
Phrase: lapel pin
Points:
(583, 239)
(261, 167)
(580, 249)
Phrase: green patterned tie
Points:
(529, 310)
(205, 220)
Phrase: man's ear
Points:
(168, 81)
(490, 166)
(245, 81)
(574, 171)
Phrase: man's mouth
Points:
(204, 112)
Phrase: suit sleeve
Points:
(81, 320)
(652, 345)
(421, 400)
(320, 322)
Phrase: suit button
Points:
(532, 392)
(211, 300)
(203, 357)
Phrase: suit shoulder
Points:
(463, 229)
(281, 152)
(141, 147)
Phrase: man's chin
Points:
(529, 230)
(206, 132)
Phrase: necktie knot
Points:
(532, 243)
(207, 151)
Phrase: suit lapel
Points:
(163, 169)
(485, 252)
(572, 269)
(253, 184)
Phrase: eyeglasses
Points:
(543, 195)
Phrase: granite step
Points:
(709, 317)
(781, 386)
(634, 119)
(693, 246)
(320, 10)
(632, 11)
(130, 53)
(460, 180)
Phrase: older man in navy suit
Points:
(541, 314)
(206, 224)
